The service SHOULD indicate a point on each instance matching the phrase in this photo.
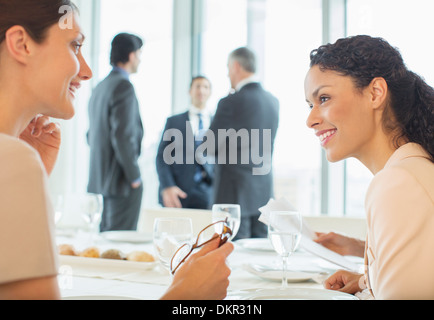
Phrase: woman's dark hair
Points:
(34, 16)
(410, 110)
(122, 45)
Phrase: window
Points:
(151, 20)
(293, 29)
(225, 30)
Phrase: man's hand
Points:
(171, 197)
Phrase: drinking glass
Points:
(284, 232)
(91, 206)
(169, 234)
(231, 212)
(58, 209)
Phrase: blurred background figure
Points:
(115, 137)
(249, 108)
(185, 185)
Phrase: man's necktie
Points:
(198, 141)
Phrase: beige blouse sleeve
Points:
(27, 246)
(400, 217)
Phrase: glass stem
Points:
(284, 270)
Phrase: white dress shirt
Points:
(193, 115)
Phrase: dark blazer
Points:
(115, 136)
(179, 174)
(250, 108)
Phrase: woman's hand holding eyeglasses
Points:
(204, 275)
(45, 137)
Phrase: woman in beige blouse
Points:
(41, 69)
(366, 104)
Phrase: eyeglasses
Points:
(219, 229)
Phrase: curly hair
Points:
(410, 110)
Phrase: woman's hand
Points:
(341, 244)
(204, 276)
(346, 281)
(45, 137)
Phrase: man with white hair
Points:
(250, 108)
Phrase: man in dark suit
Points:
(115, 136)
(250, 116)
(186, 184)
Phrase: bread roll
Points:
(92, 252)
(140, 256)
(113, 254)
(66, 250)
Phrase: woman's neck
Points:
(377, 155)
(14, 116)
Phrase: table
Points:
(84, 281)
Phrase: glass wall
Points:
(151, 20)
(293, 29)
(224, 30)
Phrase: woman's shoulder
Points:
(408, 178)
(15, 152)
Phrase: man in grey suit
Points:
(115, 137)
(253, 111)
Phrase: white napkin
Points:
(308, 235)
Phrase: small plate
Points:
(289, 294)
(106, 264)
(276, 275)
(260, 244)
(127, 236)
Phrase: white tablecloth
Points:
(78, 280)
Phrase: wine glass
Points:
(170, 234)
(230, 211)
(91, 206)
(58, 209)
(284, 232)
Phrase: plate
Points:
(105, 264)
(260, 244)
(289, 294)
(276, 275)
(98, 298)
(127, 236)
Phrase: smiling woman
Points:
(40, 67)
(366, 104)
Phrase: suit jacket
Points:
(179, 174)
(115, 136)
(250, 108)
(400, 216)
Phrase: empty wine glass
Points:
(232, 212)
(170, 234)
(284, 232)
(91, 206)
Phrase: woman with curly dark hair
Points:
(366, 104)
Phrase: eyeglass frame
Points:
(227, 231)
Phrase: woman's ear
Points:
(18, 44)
(379, 91)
